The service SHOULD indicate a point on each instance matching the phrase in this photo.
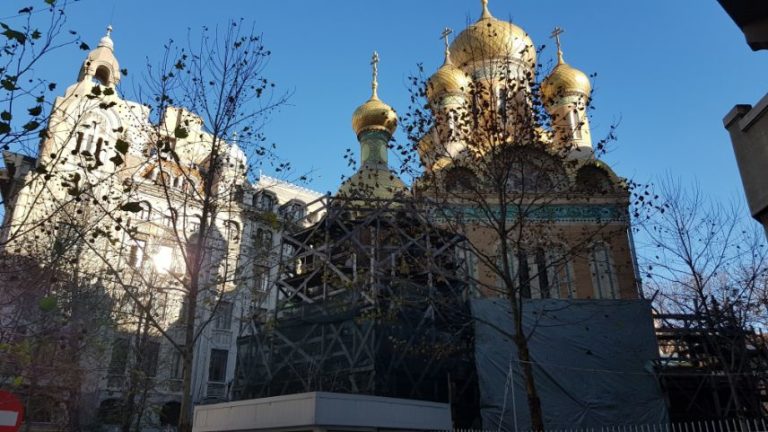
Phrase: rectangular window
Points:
(177, 364)
(261, 278)
(136, 254)
(222, 318)
(149, 358)
(217, 368)
(603, 275)
(119, 359)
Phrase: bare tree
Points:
(26, 41)
(703, 260)
(162, 189)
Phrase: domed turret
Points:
(490, 38)
(565, 79)
(374, 122)
(101, 63)
(565, 93)
(374, 114)
(449, 79)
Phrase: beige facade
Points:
(131, 221)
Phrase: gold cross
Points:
(486, 12)
(375, 81)
(444, 35)
(556, 35)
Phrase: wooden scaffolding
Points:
(711, 367)
(371, 300)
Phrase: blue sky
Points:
(667, 71)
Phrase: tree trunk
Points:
(534, 403)
(185, 416)
(524, 356)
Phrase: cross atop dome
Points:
(444, 35)
(486, 12)
(375, 79)
(556, 36)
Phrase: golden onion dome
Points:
(449, 78)
(491, 38)
(374, 115)
(564, 78)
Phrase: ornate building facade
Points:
(103, 200)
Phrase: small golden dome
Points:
(490, 38)
(447, 79)
(374, 115)
(565, 79)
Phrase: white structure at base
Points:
(321, 411)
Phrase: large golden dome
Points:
(563, 80)
(490, 38)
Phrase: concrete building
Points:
(127, 213)
(747, 124)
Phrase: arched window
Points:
(593, 179)
(603, 273)
(232, 231)
(264, 201)
(164, 179)
(575, 123)
(540, 273)
(146, 211)
(294, 211)
(461, 179)
(560, 269)
(103, 75)
(263, 238)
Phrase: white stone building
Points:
(134, 220)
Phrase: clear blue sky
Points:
(668, 71)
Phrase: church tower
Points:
(565, 93)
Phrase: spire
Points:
(556, 35)
(101, 62)
(486, 12)
(375, 80)
(444, 35)
(106, 41)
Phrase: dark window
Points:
(119, 358)
(222, 318)
(264, 202)
(177, 364)
(41, 409)
(149, 358)
(110, 411)
(263, 238)
(217, 368)
(261, 278)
